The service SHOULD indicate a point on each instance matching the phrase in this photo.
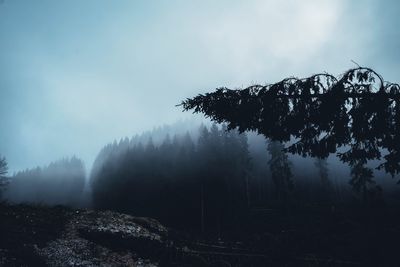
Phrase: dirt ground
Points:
(58, 236)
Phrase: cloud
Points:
(77, 75)
(258, 35)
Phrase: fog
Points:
(182, 155)
(82, 85)
(76, 75)
(102, 159)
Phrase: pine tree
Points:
(280, 170)
(3, 167)
(358, 110)
(3, 173)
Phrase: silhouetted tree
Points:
(3, 173)
(3, 167)
(357, 111)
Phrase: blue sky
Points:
(75, 75)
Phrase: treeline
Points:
(61, 182)
(198, 184)
(208, 181)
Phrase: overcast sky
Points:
(75, 75)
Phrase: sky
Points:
(75, 75)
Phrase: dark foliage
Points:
(355, 116)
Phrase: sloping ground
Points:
(43, 236)
(105, 239)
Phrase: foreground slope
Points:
(58, 236)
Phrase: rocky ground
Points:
(41, 236)
(57, 236)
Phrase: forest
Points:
(204, 179)
(199, 133)
(251, 184)
(221, 187)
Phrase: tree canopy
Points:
(3, 167)
(355, 115)
(3, 173)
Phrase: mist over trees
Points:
(209, 180)
(61, 182)
(203, 178)
(200, 184)
(355, 116)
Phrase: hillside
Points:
(43, 236)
